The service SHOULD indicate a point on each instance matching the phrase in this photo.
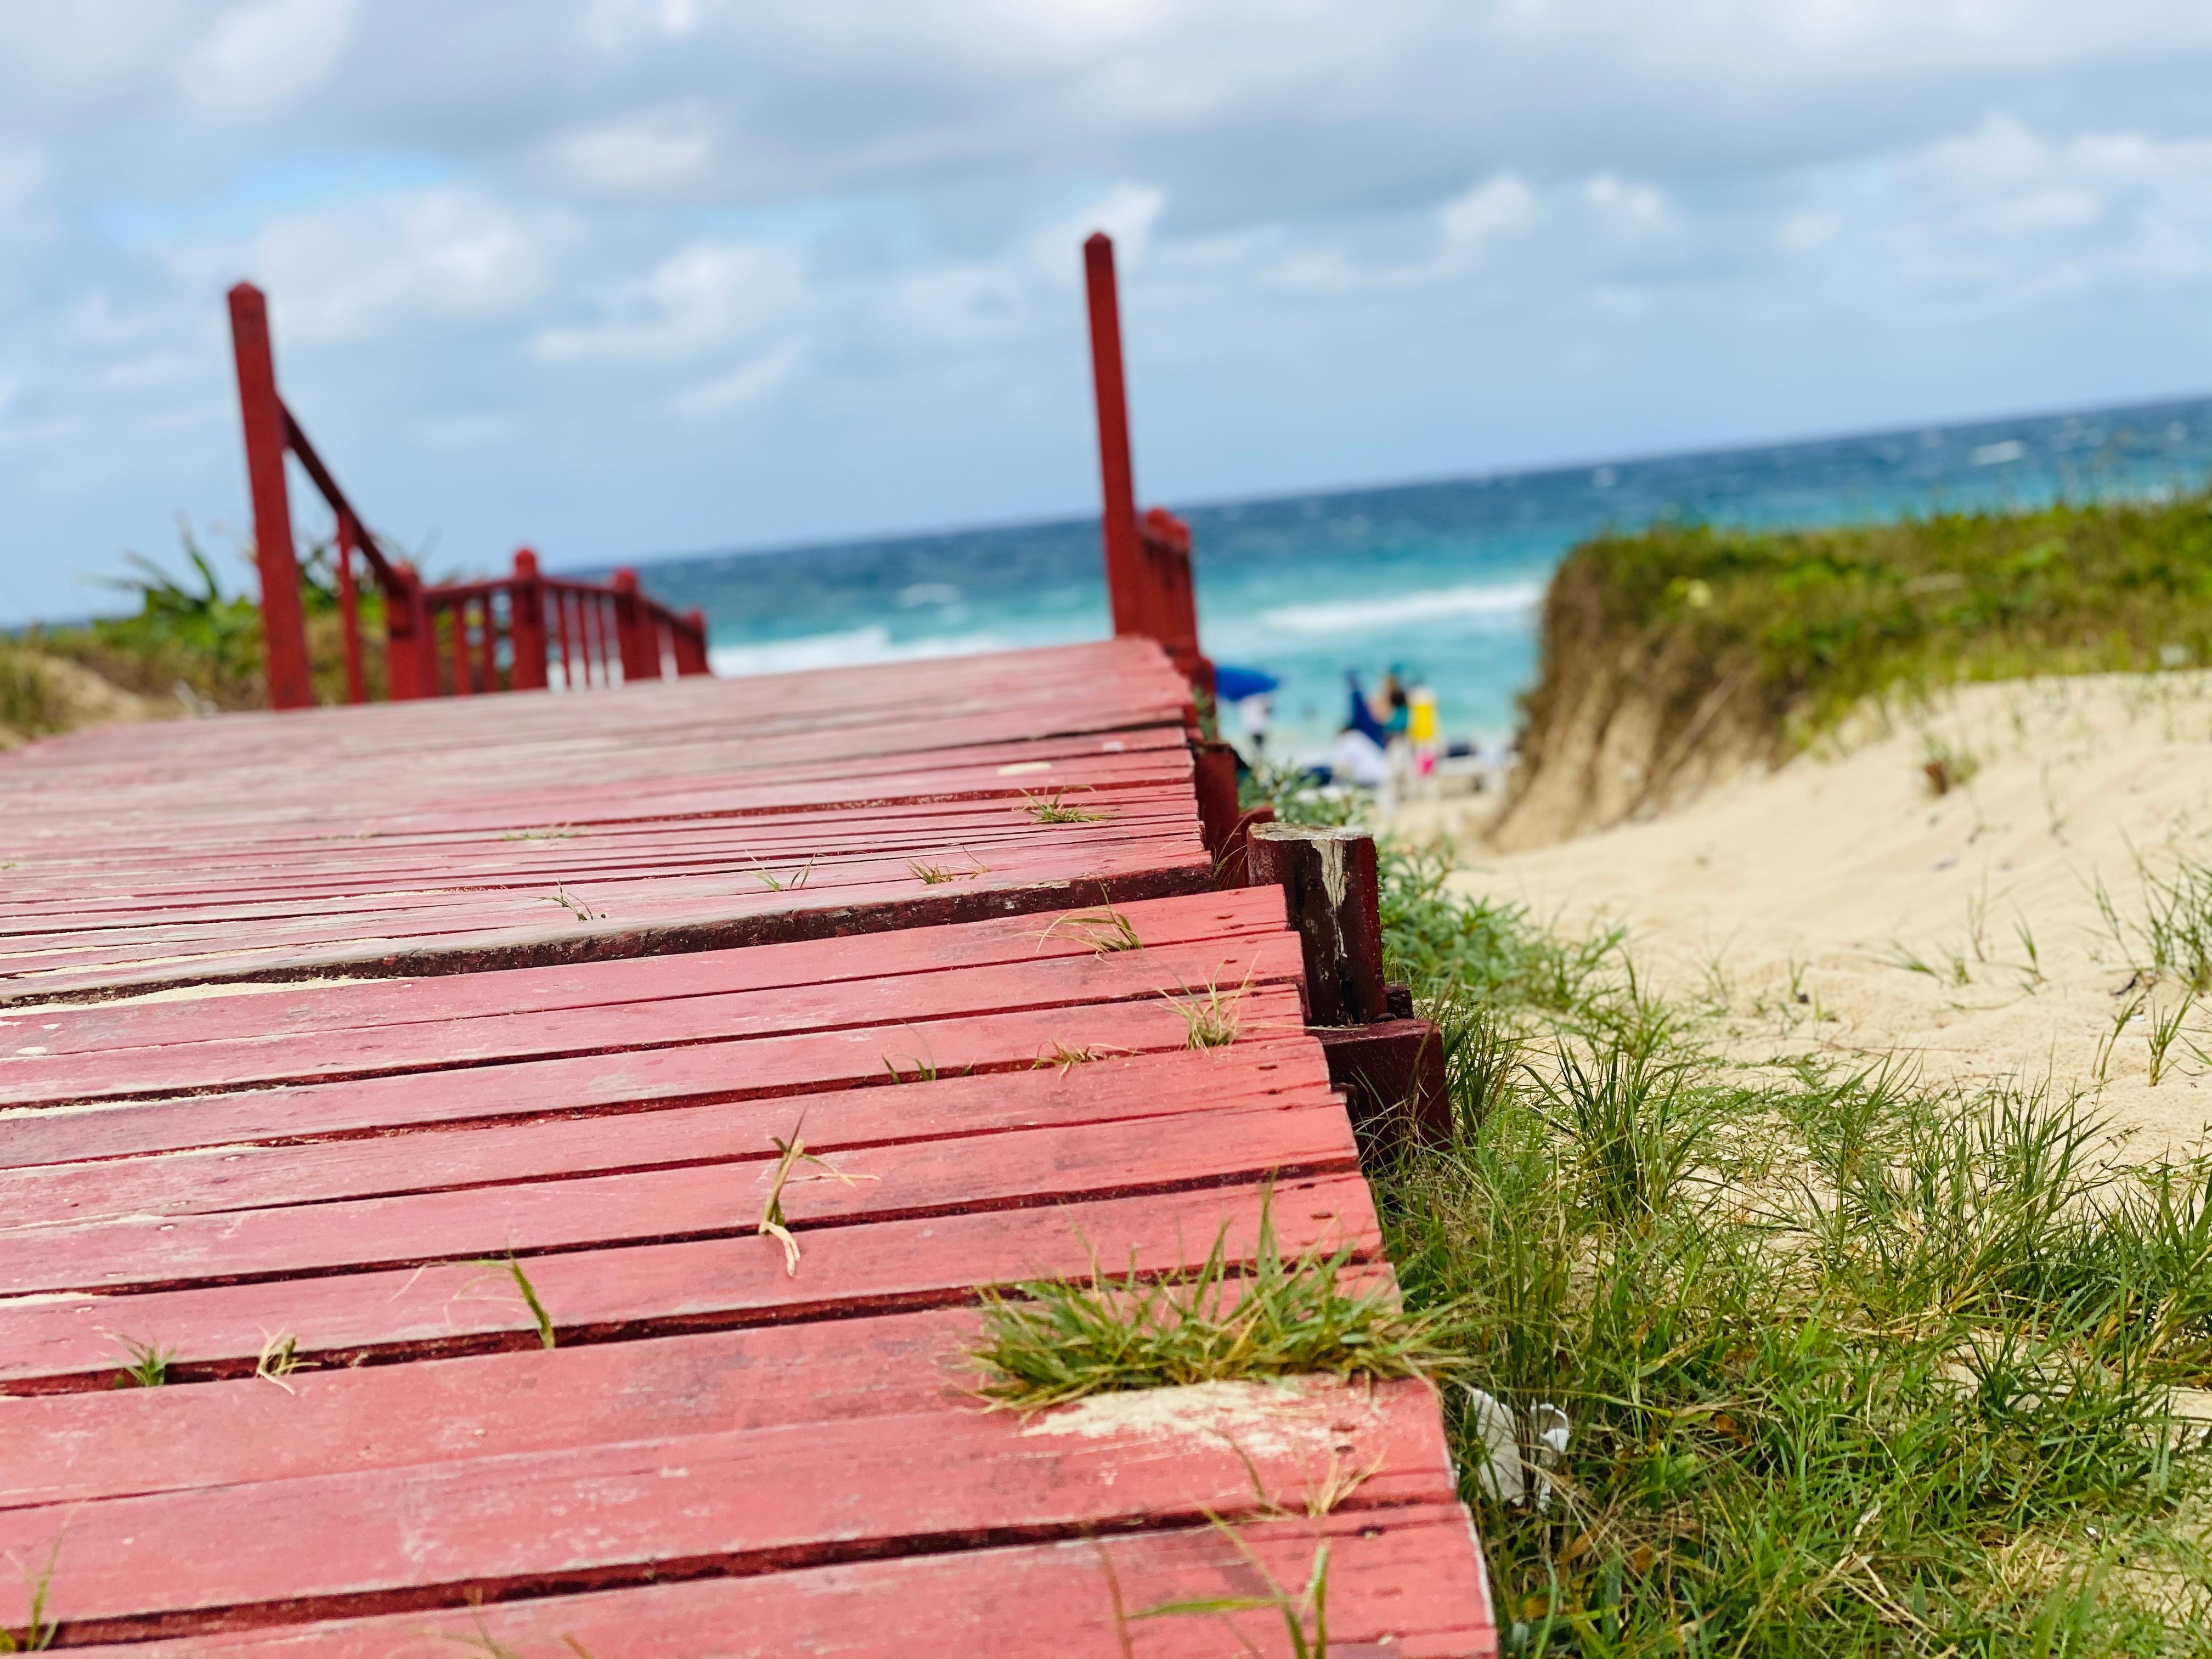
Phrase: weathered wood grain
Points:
(1402, 1582)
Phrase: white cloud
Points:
(1501, 205)
(400, 266)
(1126, 211)
(702, 298)
(266, 54)
(2000, 217)
(657, 153)
(749, 383)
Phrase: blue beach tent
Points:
(1232, 685)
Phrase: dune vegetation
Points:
(1851, 1364)
(1675, 653)
(188, 648)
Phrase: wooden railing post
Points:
(525, 623)
(1125, 579)
(691, 644)
(1172, 595)
(640, 658)
(1148, 574)
(407, 643)
(349, 608)
(284, 625)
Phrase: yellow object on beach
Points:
(1421, 716)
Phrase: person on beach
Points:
(1395, 711)
(1363, 719)
(1255, 713)
(1358, 759)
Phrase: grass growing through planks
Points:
(1060, 1341)
(1310, 1605)
(1212, 1017)
(935, 875)
(574, 905)
(149, 1367)
(790, 1154)
(1854, 1365)
(925, 1070)
(513, 1269)
(1104, 931)
(280, 1357)
(550, 832)
(1064, 1059)
(1054, 809)
(38, 1628)
(786, 884)
(491, 1647)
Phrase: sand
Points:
(1795, 902)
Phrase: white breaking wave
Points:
(1431, 605)
(847, 648)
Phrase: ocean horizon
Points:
(1440, 580)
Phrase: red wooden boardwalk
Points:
(719, 1454)
(427, 836)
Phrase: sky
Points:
(629, 277)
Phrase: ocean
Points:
(1442, 581)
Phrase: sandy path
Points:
(1796, 901)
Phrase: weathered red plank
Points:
(815, 1492)
(1401, 1581)
(64, 1449)
(241, 847)
(160, 1018)
(48, 1342)
(652, 1078)
(1060, 980)
(242, 1176)
(1042, 1166)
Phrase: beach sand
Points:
(1796, 903)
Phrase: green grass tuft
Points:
(39, 1627)
(1057, 1340)
(149, 1367)
(513, 1269)
(1104, 931)
(1054, 809)
(1212, 1017)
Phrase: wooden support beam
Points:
(1391, 1074)
(1214, 780)
(284, 624)
(1332, 897)
(1389, 1065)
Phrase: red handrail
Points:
(1148, 573)
(528, 632)
(501, 628)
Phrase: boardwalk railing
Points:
(526, 632)
(1148, 573)
(516, 633)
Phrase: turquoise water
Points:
(1441, 579)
